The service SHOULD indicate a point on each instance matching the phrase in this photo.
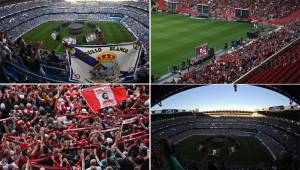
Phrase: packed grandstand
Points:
(256, 60)
(49, 65)
(56, 127)
(279, 135)
(265, 139)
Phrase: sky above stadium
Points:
(218, 97)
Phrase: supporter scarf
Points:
(7, 119)
(49, 167)
(131, 120)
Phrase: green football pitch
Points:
(174, 38)
(251, 151)
(114, 32)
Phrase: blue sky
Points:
(216, 97)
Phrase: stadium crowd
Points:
(249, 56)
(33, 58)
(42, 14)
(16, 21)
(140, 4)
(52, 127)
(225, 9)
(281, 136)
(12, 8)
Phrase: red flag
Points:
(103, 96)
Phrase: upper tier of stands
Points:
(259, 10)
(280, 69)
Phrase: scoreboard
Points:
(172, 5)
(169, 111)
(203, 10)
(241, 13)
(276, 108)
(201, 52)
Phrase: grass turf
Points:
(114, 32)
(174, 38)
(251, 152)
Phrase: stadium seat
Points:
(284, 68)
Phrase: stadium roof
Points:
(159, 93)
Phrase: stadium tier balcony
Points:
(258, 10)
(282, 68)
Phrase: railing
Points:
(16, 73)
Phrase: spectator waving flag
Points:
(103, 96)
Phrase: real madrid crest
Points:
(107, 67)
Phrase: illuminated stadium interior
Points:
(229, 127)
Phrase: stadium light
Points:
(159, 104)
(291, 101)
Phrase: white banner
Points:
(107, 63)
(105, 96)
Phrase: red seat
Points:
(285, 68)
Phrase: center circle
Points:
(218, 145)
(75, 28)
